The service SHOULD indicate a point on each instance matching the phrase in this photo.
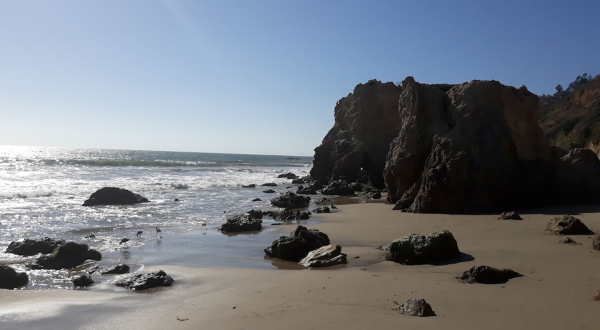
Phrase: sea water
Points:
(42, 190)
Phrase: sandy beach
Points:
(556, 291)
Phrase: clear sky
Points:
(258, 76)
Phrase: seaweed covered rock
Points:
(291, 200)
(30, 247)
(114, 196)
(487, 275)
(297, 246)
(421, 249)
(567, 225)
(11, 279)
(146, 281)
(67, 255)
(416, 307)
(325, 256)
(82, 281)
(240, 223)
(510, 216)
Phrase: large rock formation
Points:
(366, 121)
(475, 147)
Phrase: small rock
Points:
(510, 216)
(567, 225)
(297, 181)
(487, 275)
(257, 200)
(269, 184)
(287, 176)
(323, 209)
(269, 191)
(568, 240)
(416, 307)
(325, 256)
(146, 281)
(249, 186)
(116, 269)
(82, 281)
(11, 279)
(291, 200)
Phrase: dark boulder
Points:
(325, 256)
(323, 209)
(255, 214)
(67, 255)
(297, 246)
(11, 279)
(286, 214)
(82, 281)
(339, 187)
(487, 275)
(302, 215)
(290, 176)
(114, 196)
(257, 200)
(291, 200)
(416, 307)
(510, 216)
(417, 249)
(310, 190)
(297, 181)
(146, 281)
(116, 269)
(252, 185)
(567, 225)
(372, 195)
(269, 184)
(240, 223)
(269, 191)
(30, 247)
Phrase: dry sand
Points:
(555, 293)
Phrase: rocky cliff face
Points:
(366, 121)
(475, 147)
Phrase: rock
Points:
(339, 187)
(416, 307)
(114, 196)
(146, 281)
(417, 249)
(290, 176)
(291, 200)
(240, 223)
(297, 246)
(302, 215)
(596, 243)
(510, 216)
(255, 214)
(257, 200)
(297, 181)
(269, 184)
(30, 247)
(252, 185)
(323, 209)
(269, 191)
(372, 195)
(82, 281)
(310, 190)
(67, 255)
(286, 214)
(567, 225)
(366, 121)
(11, 279)
(325, 256)
(116, 269)
(487, 275)
(568, 240)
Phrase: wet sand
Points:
(555, 293)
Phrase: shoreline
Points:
(555, 292)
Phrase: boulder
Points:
(297, 246)
(325, 256)
(291, 200)
(310, 190)
(323, 209)
(269, 184)
(302, 215)
(567, 225)
(240, 223)
(290, 176)
(366, 121)
(30, 247)
(11, 279)
(269, 191)
(338, 187)
(510, 216)
(82, 281)
(421, 249)
(372, 195)
(297, 181)
(116, 269)
(596, 243)
(416, 307)
(114, 196)
(252, 185)
(286, 214)
(255, 214)
(487, 275)
(146, 281)
(67, 255)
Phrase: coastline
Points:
(555, 292)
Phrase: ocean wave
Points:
(179, 186)
(161, 163)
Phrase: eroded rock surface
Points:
(416, 307)
(567, 225)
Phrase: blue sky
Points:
(258, 76)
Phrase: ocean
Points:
(42, 190)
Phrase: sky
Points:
(260, 76)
